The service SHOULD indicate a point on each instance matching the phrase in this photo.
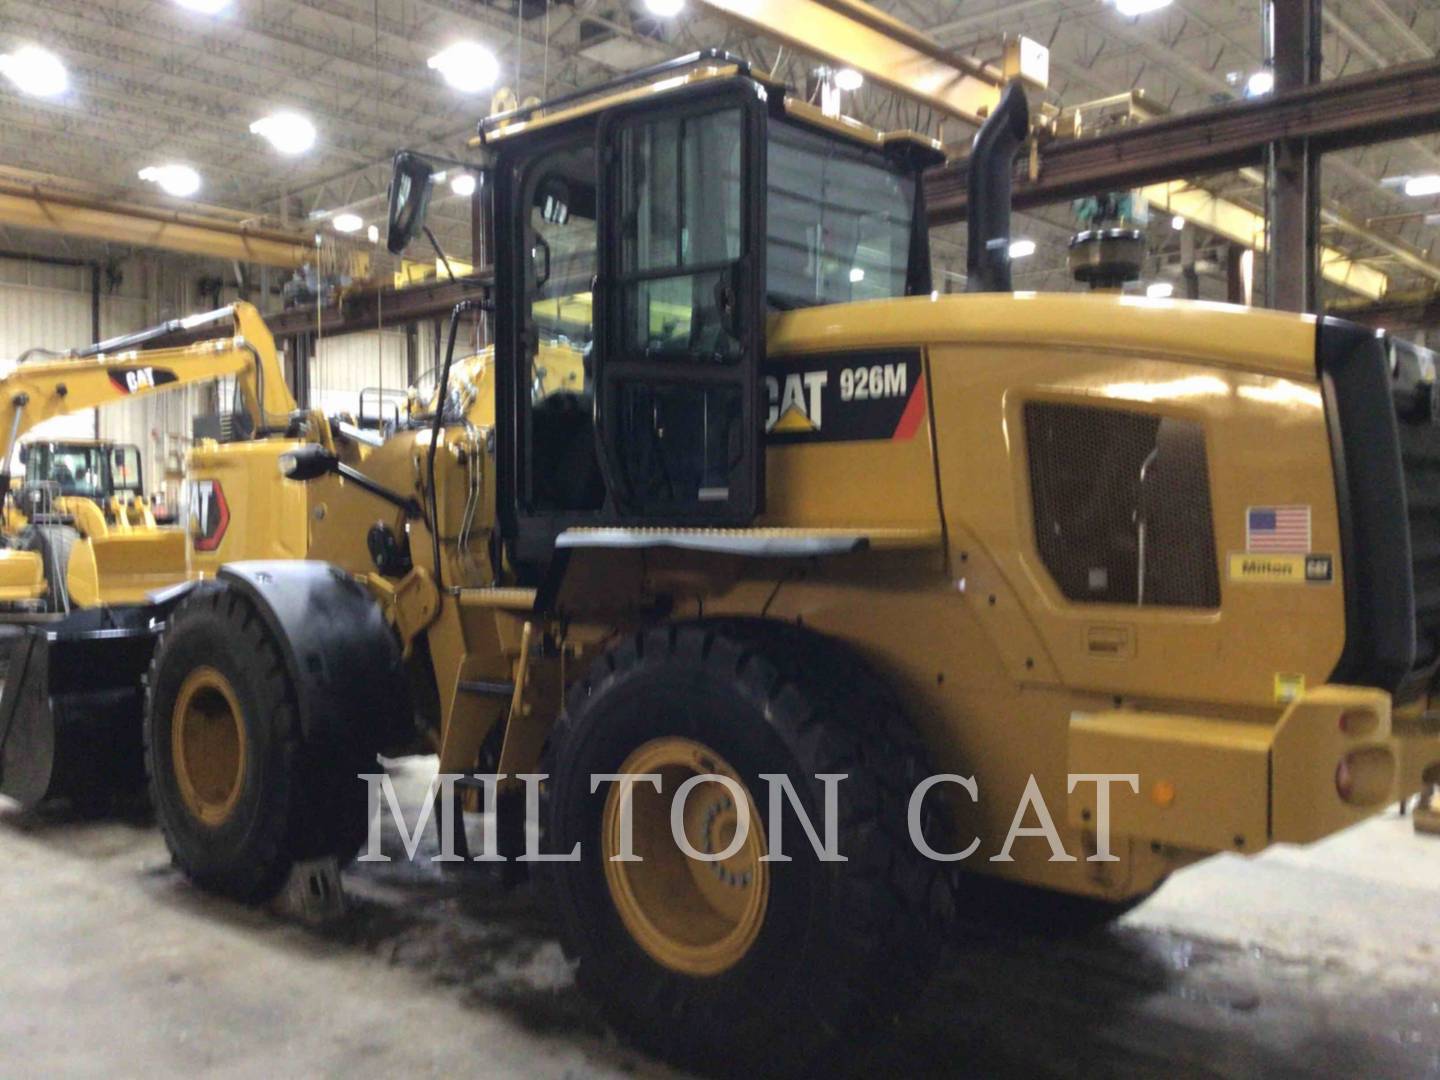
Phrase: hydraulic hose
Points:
(443, 387)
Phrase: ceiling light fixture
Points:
(179, 180)
(665, 9)
(1260, 84)
(1133, 8)
(347, 222)
(463, 185)
(468, 66)
(373, 234)
(204, 7)
(1177, 223)
(1419, 186)
(287, 132)
(849, 79)
(35, 71)
(1020, 249)
(1159, 290)
(857, 275)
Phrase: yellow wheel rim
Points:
(694, 916)
(207, 744)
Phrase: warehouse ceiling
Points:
(152, 83)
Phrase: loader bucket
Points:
(72, 706)
(123, 567)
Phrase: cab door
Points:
(680, 317)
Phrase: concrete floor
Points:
(1304, 962)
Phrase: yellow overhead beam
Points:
(34, 200)
(885, 50)
(1241, 225)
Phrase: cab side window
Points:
(564, 470)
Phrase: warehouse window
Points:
(1122, 505)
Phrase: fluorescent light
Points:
(1177, 223)
(857, 275)
(1423, 185)
(1260, 84)
(204, 7)
(665, 9)
(1020, 249)
(35, 71)
(1132, 8)
(1159, 290)
(467, 66)
(347, 222)
(373, 234)
(179, 180)
(463, 185)
(288, 132)
(849, 79)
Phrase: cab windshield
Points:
(74, 470)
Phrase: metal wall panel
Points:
(346, 365)
(47, 306)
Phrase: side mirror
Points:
(411, 182)
(308, 463)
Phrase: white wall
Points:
(346, 365)
(49, 307)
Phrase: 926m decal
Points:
(846, 397)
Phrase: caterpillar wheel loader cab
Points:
(849, 578)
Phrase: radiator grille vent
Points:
(1121, 502)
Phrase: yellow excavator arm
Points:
(122, 368)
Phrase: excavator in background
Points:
(69, 717)
(77, 531)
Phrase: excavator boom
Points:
(121, 368)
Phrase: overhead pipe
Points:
(992, 160)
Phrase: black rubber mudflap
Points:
(72, 706)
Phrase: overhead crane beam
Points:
(1357, 110)
(33, 201)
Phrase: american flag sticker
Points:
(1278, 529)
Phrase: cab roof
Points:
(681, 73)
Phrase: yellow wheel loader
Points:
(71, 489)
(870, 594)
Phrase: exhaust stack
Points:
(992, 157)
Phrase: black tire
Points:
(53, 543)
(843, 945)
(296, 801)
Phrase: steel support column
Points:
(1292, 167)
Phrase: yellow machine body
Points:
(22, 576)
(1224, 716)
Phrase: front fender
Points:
(343, 656)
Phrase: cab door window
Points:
(563, 466)
(678, 375)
